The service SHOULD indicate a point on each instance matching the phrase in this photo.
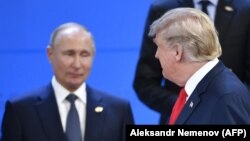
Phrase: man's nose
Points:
(77, 61)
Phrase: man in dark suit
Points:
(233, 27)
(44, 114)
(188, 49)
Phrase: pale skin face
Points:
(71, 58)
(169, 57)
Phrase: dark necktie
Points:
(204, 4)
(73, 129)
(179, 104)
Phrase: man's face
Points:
(167, 57)
(71, 57)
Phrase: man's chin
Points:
(74, 86)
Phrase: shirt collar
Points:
(61, 93)
(195, 79)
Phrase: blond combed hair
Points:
(191, 28)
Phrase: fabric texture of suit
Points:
(234, 35)
(36, 118)
(220, 98)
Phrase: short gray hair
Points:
(62, 28)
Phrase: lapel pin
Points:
(98, 109)
(191, 104)
(229, 8)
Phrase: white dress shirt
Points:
(195, 79)
(211, 7)
(61, 93)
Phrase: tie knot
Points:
(71, 98)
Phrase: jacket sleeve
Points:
(11, 126)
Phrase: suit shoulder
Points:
(29, 96)
(108, 97)
(241, 6)
(226, 82)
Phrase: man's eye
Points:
(85, 54)
(68, 53)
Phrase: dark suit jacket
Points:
(234, 35)
(220, 98)
(37, 118)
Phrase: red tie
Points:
(179, 104)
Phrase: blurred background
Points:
(117, 26)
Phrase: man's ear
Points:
(49, 51)
(179, 52)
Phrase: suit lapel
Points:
(200, 89)
(49, 115)
(224, 14)
(95, 117)
(189, 107)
